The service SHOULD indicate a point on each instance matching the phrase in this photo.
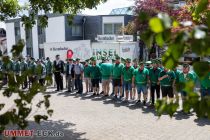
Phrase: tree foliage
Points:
(197, 39)
(41, 9)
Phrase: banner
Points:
(80, 48)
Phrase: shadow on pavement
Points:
(202, 121)
(179, 115)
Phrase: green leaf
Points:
(201, 68)
(159, 39)
(202, 5)
(165, 19)
(156, 25)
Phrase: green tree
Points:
(23, 103)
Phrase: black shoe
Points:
(69, 91)
(97, 94)
(102, 92)
(112, 94)
(57, 90)
(138, 102)
(94, 94)
(144, 102)
(106, 95)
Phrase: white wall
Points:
(10, 28)
(112, 19)
(23, 36)
(35, 41)
(55, 32)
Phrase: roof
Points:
(123, 11)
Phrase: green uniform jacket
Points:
(23, 66)
(16, 67)
(177, 73)
(106, 70)
(168, 81)
(127, 73)
(95, 72)
(32, 69)
(49, 69)
(87, 69)
(153, 75)
(117, 71)
(205, 83)
(141, 77)
(189, 77)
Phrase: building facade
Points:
(83, 27)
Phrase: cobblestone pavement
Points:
(99, 118)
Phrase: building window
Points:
(108, 29)
(17, 31)
(27, 33)
(112, 28)
(40, 30)
(117, 28)
(76, 30)
(41, 53)
(29, 51)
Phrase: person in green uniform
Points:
(135, 66)
(205, 84)
(184, 77)
(141, 78)
(154, 83)
(148, 65)
(95, 75)
(106, 73)
(41, 72)
(116, 77)
(32, 71)
(49, 71)
(159, 63)
(23, 70)
(177, 73)
(167, 79)
(127, 75)
(16, 69)
(87, 67)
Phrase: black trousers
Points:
(59, 80)
(155, 88)
(78, 82)
(42, 82)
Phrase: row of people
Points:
(125, 77)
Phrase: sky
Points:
(102, 9)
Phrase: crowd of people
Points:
(129, 79)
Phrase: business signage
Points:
(114, 38)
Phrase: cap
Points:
(148, 62)
(128, 60)
(141, 63)
(70, 59)
(87, 60)
(77, 59)
(185, 65)
(117, 57)
(93, 59)
(135, 60)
